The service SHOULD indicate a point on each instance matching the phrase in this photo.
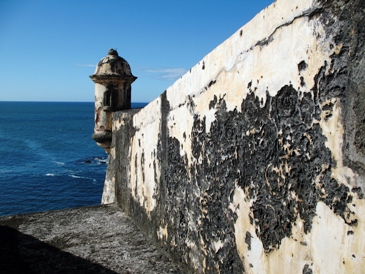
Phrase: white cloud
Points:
(169, 74)
(86, 65)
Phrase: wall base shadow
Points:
(21, 253)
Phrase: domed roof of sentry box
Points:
(113, 65)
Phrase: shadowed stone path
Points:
(99, 239)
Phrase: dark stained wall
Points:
(256, 165)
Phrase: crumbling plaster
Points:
(244, 163)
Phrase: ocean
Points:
(48, 159)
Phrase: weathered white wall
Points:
(243, 163)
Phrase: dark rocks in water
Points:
(96, 160)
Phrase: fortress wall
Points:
(254, 159)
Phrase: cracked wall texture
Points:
(253, 161)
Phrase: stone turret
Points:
(113, 79)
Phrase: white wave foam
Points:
(50, 174)
(101, 160)
(74, 176)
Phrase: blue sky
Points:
(49, 48)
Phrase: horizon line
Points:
(23, 101)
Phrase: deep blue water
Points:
(47, 157)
